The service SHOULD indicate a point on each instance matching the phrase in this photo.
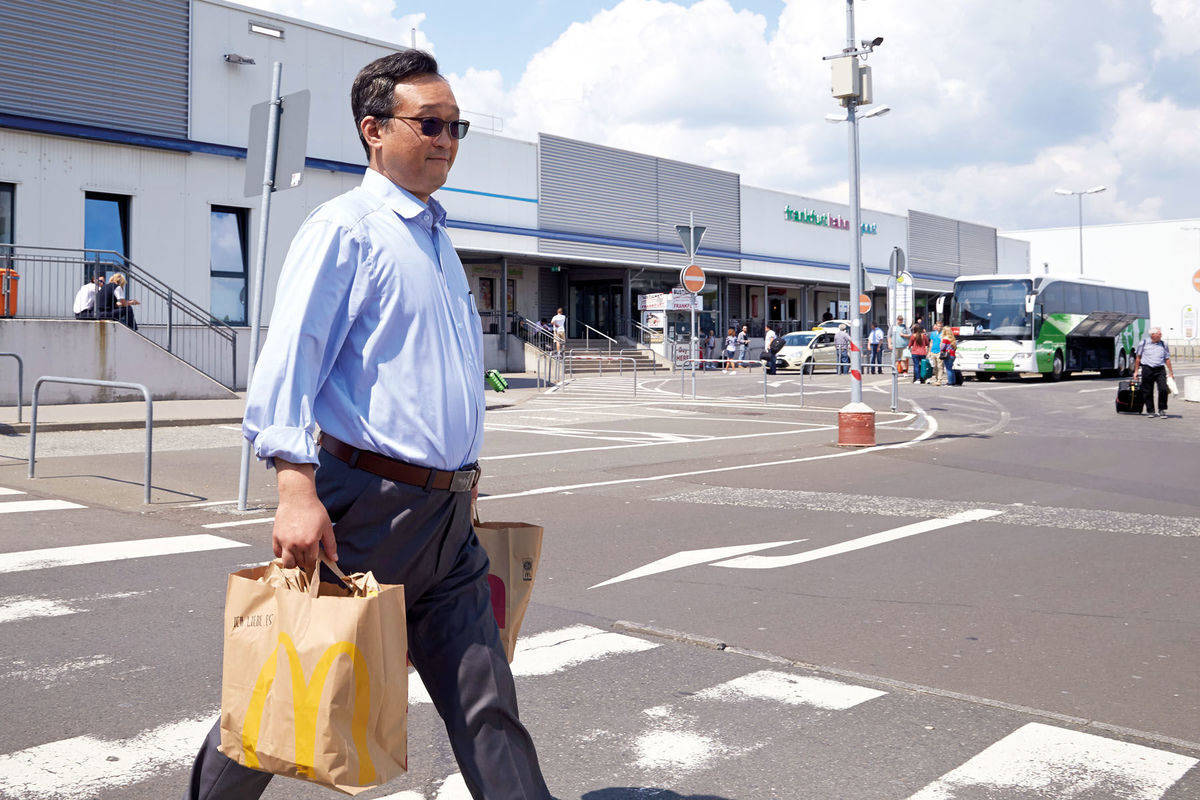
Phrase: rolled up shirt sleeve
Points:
(315, 305)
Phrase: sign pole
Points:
(260, 265)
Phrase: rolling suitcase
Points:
(1129, 397)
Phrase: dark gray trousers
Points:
(425, 541)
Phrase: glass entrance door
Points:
(594, 303)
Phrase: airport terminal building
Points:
(129, 133)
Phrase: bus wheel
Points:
(1057, 370)
(1122, 364)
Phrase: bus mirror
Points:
(1030, 303)
(941, 305)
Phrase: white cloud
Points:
(994, 104)
(374, 18)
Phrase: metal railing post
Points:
(37, 387)
(895, 389)
(20, 380)
(170, 317)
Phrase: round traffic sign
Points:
(864, 303)
(692, 278)
(1196, 280)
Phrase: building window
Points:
(227, 263)
(7, 192)
(106, 227)
(512, 296)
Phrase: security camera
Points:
(873, 43)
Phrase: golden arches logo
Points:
(306, 699)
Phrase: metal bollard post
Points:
(764, 374)
(895, 390)
(802, 386)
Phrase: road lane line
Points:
(553, 651)
(86, 767)
(14, 609)
(510, 456)
(774, 562)
(209, 503)
(22, 506)
(690, 558)
(112, 551)
(5, 490)
(795, 690)
(238, 523)
(1046, 761)
(930, 430)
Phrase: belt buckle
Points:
(464, 480)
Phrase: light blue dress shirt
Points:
(374, 337)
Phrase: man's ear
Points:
(371, 129)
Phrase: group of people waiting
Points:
(105, 299)
(732, 354)
(912, 347)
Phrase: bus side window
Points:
(1091, 299)
(1052, 299)
(1105, 299)
(1126, 301)
(1143, 304)
(1072, 301)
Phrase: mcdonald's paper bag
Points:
(513, 549)
(314, 681)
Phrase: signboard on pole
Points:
(677, 300)
(1196, 281)
(691, 278)
(864, 303)
(1188, 320)
(292, 143)
(900, 298)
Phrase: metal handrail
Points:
(587, 339)
(20, 380)
(569, 364)
(37, 387)
(52, 296)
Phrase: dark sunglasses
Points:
(432, 126)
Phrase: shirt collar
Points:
(401, 200)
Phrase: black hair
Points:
(373, 91)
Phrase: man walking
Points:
(375, 340)
(841, 344)
(1153, 359)
(770, 337)
(743, 342)
(875, 342)
(559, 323)
(900, 336)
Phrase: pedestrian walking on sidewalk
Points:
(949, 353)
(730, 350)
(841, 345)
(918, 345)
(768, 351)
(743, 343)
(875, 341)
(1153, 361)
(935, 356)
(899, 336)
(375, 340)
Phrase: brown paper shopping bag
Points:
(314, 682)
(514, 549)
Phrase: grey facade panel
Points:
(601, 191)
(977, 249)
(932, 244)
(121, 65)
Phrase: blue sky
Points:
(994, 104)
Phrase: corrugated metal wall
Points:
(602, 191)
(112, 63)
(948, 247)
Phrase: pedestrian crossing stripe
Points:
(112, 551)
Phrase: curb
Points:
(116, 424)
(916, 688)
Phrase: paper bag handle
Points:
(314, 582)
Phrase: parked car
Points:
(806, 350)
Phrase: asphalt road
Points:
(997, 601)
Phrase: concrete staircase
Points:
(583, 366)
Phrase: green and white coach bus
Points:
(1045, 325)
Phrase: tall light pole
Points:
(1080, 194)
(851, 84)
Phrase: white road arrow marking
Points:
(690, 558)
(774, 562)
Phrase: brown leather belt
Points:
(463, 480)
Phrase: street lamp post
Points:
(852, 86)
(1080, 194)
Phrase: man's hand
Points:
(302, 524)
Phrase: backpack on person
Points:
(776, 344)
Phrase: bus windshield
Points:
(992, 308)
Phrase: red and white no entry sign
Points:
(692, 278)
(864, 303)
